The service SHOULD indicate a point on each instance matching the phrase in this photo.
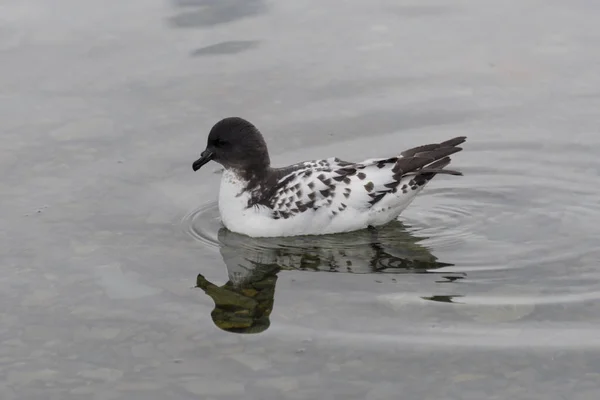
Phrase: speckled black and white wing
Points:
(372, 185)
(309, 186)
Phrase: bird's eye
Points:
(220, 143)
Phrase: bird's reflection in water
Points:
(245, 302)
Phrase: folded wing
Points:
(374, 183)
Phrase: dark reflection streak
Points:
(205, 13)
(443, 299)
(452, 279)
(226, 48)
(245, 302)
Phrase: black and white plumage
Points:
(314, 197)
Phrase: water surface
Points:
(117, 280)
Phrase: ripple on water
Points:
(203, 224)
(245, 302)
(380, 250)
(518, 221)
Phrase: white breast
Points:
(232, 201)
(258, 221)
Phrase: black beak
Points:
(205, 157)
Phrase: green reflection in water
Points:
(243, 306)
(245, 302)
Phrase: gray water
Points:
(117, 280)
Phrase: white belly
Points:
(258, 222)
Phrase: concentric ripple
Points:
(203, 224)
(516, 230)
(386, 249)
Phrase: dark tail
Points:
(424, 162)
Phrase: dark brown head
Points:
(235, 144)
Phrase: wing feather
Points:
(338, 184)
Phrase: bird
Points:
(315, 197)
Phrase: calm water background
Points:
(105, 228)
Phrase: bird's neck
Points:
(253, 174)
